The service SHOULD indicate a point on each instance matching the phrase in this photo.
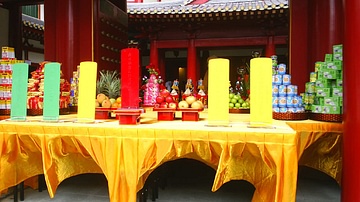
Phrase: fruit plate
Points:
(326, 117)
(241, 111)
(158, 109)
(103, 113)
(165, 114)
(290, 116)
(189, 109)
(105, 109)
(129, 116)
(190, 114)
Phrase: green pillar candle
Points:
(19, 91)
(51, 91)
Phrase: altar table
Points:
(320, 146)
(127, 154)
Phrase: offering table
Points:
(127, 154)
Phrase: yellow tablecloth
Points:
(127, 154)
(320, 146)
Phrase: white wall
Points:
(4, 27)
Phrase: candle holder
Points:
(190, 114)
(165, 114)
(129, 116)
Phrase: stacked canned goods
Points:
(285, 95)
(6, 63)
(324, 92)
(74, 88)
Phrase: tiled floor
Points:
(187, 181)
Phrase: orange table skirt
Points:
(127, 154)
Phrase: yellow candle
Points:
(87, 91)
(261, 92)
(218, 88)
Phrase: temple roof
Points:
(211, 6)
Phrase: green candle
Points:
(51, 91)
(19, 91)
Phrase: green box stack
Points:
(328, 86)
(329, 92)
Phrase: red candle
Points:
(130, 69)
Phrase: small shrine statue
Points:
(201, 95)
(200, 85)
(242, 85)
(189, 84)
(175, 90)
(188, 89)
(175, 86)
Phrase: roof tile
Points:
(181, 6)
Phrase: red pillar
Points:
(15, 29)
(270, 47)
(69, 33)
(315, 26)
(162, 67)
(191, 61)
(61, 37)
(154, 53)
(325, 28)
(198, 69)
(351, 139)
(298, 49)
(50, 34)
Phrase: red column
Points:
(162, 67)
(59, 36)
(270, 47)
(191, 61)
(69, 33)
(50, 34)
(325, 28)
(298, 50)
(351, 139)
(15, 29)
(198, 69)
(85, 23)
(154, 54)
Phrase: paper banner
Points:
(130, 68)
(261, 91)
(218, 88)
(20, 72)
(51, 91)
(87, 92)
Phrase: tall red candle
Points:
(130, 69)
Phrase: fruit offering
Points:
(108, 90)
(191, 102)
(236, 102)
(152, 85)
(165, 100)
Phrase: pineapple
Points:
(109, 84)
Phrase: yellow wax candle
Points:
(87, 91)
(218, 96)
(261, 92)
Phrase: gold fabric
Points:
(127, 154)
(320, 146)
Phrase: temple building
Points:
(181, 33)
